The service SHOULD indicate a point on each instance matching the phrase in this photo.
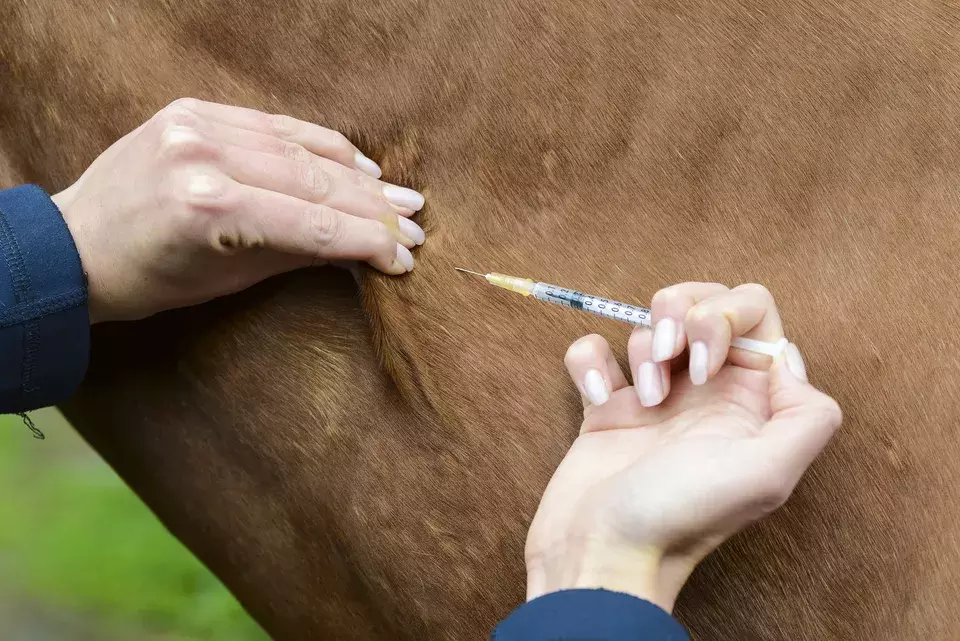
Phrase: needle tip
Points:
(467, 271)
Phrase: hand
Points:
(205, 200)
(664, 472)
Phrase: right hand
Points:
(661, 474)
(207, 199)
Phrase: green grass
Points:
(74, 538)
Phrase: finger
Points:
(669, 308)
(711, 324)
(594, 369)
(319, 140)
(261, 217)
(651, 379)
(624, 411)
(406, 201)
(312, 183)
(803, 421)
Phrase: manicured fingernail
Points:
(366, 165)
(795, 362)
(395, 269)
(404, 257)
(649, 384)
(403, 197)
(595, 387)
(411, 230)
(664, 339)
(698, 363)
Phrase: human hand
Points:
(664, 472)
(206, 199)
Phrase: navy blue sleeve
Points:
(589, 615)
(44, 322)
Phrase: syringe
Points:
(604, 307)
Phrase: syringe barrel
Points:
(605, 307)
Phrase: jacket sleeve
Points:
(44, 322)
(589, 615)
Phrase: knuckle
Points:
(315, 182)
(666, 294)
(583, 348)
(684, 292)
(337, 171)
(293, 151)
(177, 113)
(231, 239)
(664, 298)
(697, 314)
(190, 104)
(339, 141)
(705, 324)
(383, 241)
(718, 287)
(200, 190)
(359, 180)
(756, 290)
(325, 227)
(281, 125)
(178, 142)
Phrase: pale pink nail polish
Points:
(595, 388)
(411, 230)
(403, 197)
(794, 360)
(649, 384)
(404, 257)
(664, 339)
(366, 165)
(699, 357)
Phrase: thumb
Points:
(803, 418)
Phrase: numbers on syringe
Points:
(561, 296)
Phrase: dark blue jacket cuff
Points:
(44, 323)
(589, 615)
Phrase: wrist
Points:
(64, 202)
(593, 564)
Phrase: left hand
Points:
(206, 199)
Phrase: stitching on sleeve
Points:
(15, 262)
(43, 307)
(22, 293)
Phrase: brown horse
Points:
(365, 467)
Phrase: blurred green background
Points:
(82, 559)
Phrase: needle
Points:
(634, 315)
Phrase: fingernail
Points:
(649, 384)
(595, 387)
(411, 230)
(396, 269)
(795, 362)
(698, 363)
(403, 197)
(366, 165)
(664, 339)
(404, 257)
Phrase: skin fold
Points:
(362, 460)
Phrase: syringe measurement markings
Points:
(598, 306)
